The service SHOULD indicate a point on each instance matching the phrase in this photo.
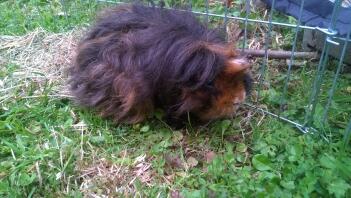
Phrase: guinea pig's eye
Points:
(210, 86)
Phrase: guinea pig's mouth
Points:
(248, 84)
(236, 106)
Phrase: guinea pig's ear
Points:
(235, 65)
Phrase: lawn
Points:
(49, 147)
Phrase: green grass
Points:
(21, 16)
(50, 147)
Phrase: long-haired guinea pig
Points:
(136, 59)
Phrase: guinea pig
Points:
(136, 59)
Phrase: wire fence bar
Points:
(64, 9)
(300, 127)
(207, 12)
(287, 79)
(247, 12)
(336, 77)
(347, 134)
(266, 46)
(321, 68)
(52, 12)
(225, 15)
(90, 6)
(317, 84)
(190, 5)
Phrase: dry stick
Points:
(278, 54)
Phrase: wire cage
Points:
(276, 86)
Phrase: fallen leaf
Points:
(174, 161)
(170, 178)
(348, 89)
(192, 162)
(175, 194)
(234, 138)
(210, 156)
(181, 174)
(241, 147)
(177, 137)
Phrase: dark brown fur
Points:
(137, 58)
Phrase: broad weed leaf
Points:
(288, 184)
(24, 179)
(193, 194)
(261, 162)
(338, 188)
(241, 147)
(225, 125)
(145, 128)
(97, 139)
(327, 161)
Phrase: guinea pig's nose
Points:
(242, 59)
(240, 99)
(238, 64)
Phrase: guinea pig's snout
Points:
(242, 61)
(240, 98)
(248, 81)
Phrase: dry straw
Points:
(40, 57)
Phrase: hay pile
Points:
(40, 57)
(102, 178)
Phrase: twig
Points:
(50, 96)
(279, 54)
